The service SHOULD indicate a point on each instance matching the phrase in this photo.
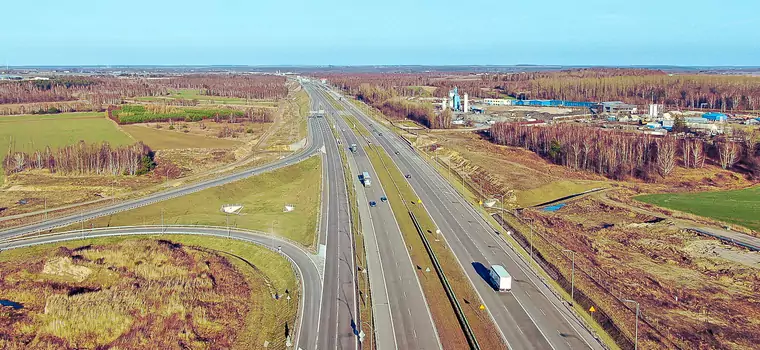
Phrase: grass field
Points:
(171, 291)
(159, 139)
(263, 198)
(740, 207)
(192, 94)
(31, 132)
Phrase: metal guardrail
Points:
(447, 287)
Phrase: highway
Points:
(402, 318)
(303, 263)
(314, 144)
(531, 316)
(339, 316)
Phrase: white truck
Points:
(365, 179)
(501, 279)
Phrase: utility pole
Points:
(636, 336)
(162, 220)
(572, 276)
(531, 240)
(46, 215)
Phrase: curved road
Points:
(314, 143)
(302, 261)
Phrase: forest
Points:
(84, 159)
(617, 154)
(397, 107)
(96, 93)
(131, 114)
(732, 93)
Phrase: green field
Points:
(32, 132)
(741, 207)
(168, 139)
(192, 94)
(263, 198)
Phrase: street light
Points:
(272, 232)
(636, 336)
(572, 276)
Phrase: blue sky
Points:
(355, 32)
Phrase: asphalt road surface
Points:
(339, 316)
(411, 323)
(314, 143)
(531, 316)
(305, 334)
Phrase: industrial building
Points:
(498, 101)
(715, 117)
(618, 107)
(455, 102)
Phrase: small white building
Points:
(497, 101)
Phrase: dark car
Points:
(396, 152)
(408, 176)
(380, 134)
(383, 199)
(372, 204)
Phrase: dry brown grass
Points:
(141, 293)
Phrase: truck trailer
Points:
(501, 279)
(365, 179)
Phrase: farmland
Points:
(33, 132)
(263, 198)
(171, 292)
(740, 207)
(161, 139)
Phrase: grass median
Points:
(263, 198)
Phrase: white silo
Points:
(466, 103)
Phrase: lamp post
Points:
(572, 276)
(636, 336)
(271, 232)
(531, 240)
(162, 220)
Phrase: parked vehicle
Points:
(500, 278)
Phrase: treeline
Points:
(619, 155)
(103, 91)
(240, 86)
(84, 159)
(132, 114)
(637, 86)
(47, 108)
(398, 107)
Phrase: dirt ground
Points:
(698, 293)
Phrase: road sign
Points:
(427, 269)
(592, 309)
(419, 201)
(482, 307)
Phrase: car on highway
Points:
(408, 176)
(396, 152)
(372, 203)
(380, 134)
(383, 199)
